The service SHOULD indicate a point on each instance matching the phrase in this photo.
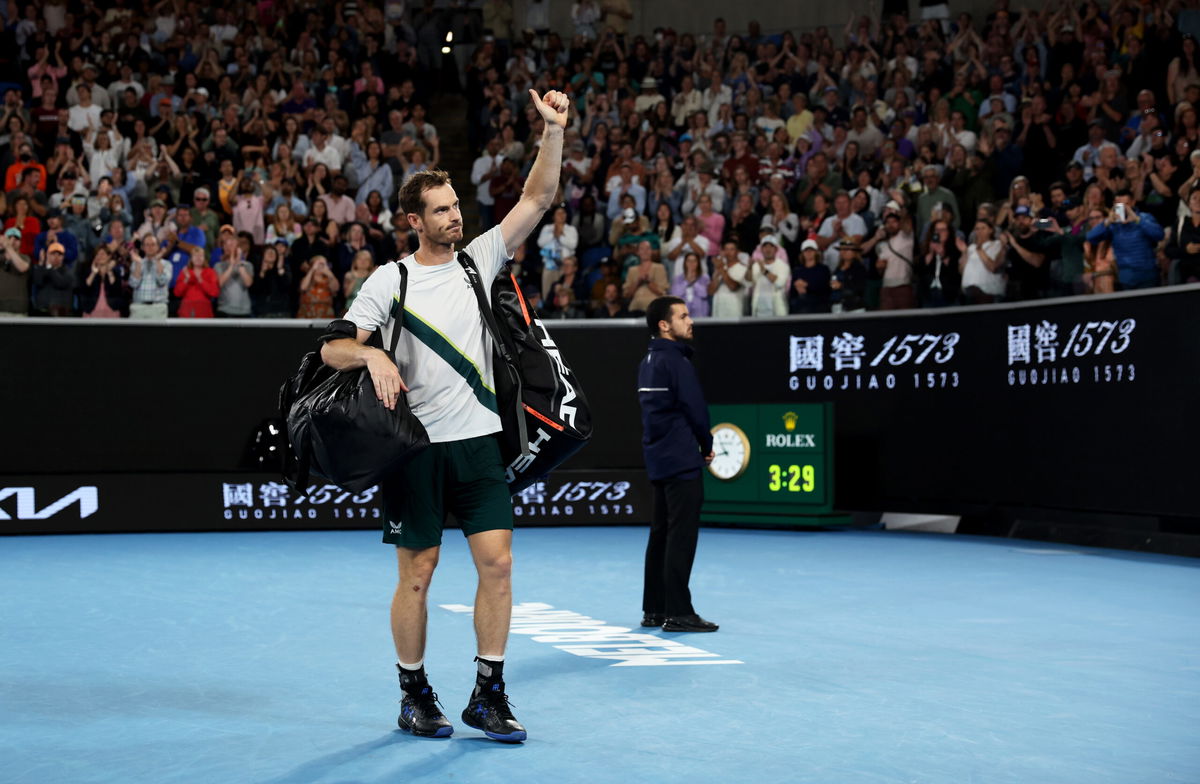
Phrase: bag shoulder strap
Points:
(398, 308)
(485, 305)
(888, 244)
(493, 328)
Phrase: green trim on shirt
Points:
(455, 357)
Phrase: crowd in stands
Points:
(174, 158)
(920, 161)
(199, 160)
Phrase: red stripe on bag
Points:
(549, 422)
(521, 299)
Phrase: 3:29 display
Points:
(792, 479)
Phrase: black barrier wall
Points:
(1071, 404)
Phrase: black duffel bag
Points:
(337, 428)
(545, 416)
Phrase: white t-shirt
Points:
(769, 298)
(444, 353)
(483, 165)
(853, 225)
(328, 156)
(976, 273)
(79, 118)
(677, 240)
(727, 303)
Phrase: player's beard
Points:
(450, 235)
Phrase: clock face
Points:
(732, 452)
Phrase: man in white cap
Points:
(768, 276)
(809, 292)
(650, 96)
(627, 227)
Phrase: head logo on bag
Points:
(565, 411)
(545, 416)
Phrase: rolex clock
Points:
(731, 450)
(772, 465)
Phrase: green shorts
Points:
(464, 478)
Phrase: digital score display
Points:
(792, 479)
(772, 463)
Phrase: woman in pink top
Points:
(369, 82)
(248, 210)
(712, 224)
(42, 67)
(101, 295)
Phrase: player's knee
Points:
(418, 573)
(497, 567)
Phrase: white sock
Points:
(406, 666)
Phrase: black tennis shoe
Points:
(688, 623)
(420, 715)
(489, 711)
(653, 619)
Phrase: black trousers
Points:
(672, 546)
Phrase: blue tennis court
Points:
(842, 657)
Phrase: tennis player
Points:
(445, 366)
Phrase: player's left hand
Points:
(709, 457)
(553, 107)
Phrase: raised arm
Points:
(542, 183)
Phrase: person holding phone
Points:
(1134, 237)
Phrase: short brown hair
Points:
(412, 192)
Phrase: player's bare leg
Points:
(419, 712)
(489, 710)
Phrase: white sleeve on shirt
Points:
(372, 306)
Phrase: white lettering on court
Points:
(584, 636)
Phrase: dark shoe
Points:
(489, 711)
(688, 623)
(420, 715)
(652, 619)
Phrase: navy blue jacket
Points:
(675, 428)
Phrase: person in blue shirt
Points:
(181, 242)
(1133, 238)
(56, 232)
(677, 445)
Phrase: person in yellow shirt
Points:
(801, 119)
